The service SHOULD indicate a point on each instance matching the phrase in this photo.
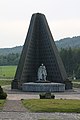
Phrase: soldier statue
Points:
(42, 73)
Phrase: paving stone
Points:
(37, 116)
(13, 106)
(15, 116)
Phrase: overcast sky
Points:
(63, 17)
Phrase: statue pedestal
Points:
(42, 81)
(43, 87)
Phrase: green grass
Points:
(77, 80)
(7, 72)
(76, 84)
(50, 105)
(5, 82)
(1, 104)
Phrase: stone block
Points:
(43, 87)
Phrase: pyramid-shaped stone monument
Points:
(39, 48)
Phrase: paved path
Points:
(14, 110)
(38, 116)
(14, 106)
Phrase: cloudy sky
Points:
(63, 17)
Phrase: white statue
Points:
(42, 73)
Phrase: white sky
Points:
(63, 17)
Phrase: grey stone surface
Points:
(14, 106)
(56, 116)
(37, 116)
(43, 87)
(15, 116)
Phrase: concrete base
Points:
(43, 87)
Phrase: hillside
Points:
(6, 51)
(73, 42)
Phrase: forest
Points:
(71, 61)
(70, 58)
(9, 59)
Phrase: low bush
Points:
(47, 95)
(53, 96)
(1, 90)
(42, 96)
(3, 95)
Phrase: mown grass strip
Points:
(7, 72)
(50, 105)
(2, 104)
(76, 84)
(5, 82)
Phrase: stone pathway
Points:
(15, 116)
(55, 116)
(38, 116)
(14, 106)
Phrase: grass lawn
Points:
(7, 71)
(5, 82)
(76, 84)
(1, 104)
(52, 105)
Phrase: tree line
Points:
(71, 61)
(10, 59)
(70, 58)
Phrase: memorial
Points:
(40, 67)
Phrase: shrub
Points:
(47, 95)
(42, 96)
(3, 95)
(1, 90)
(53, 96)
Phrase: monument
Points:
(40, 61)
